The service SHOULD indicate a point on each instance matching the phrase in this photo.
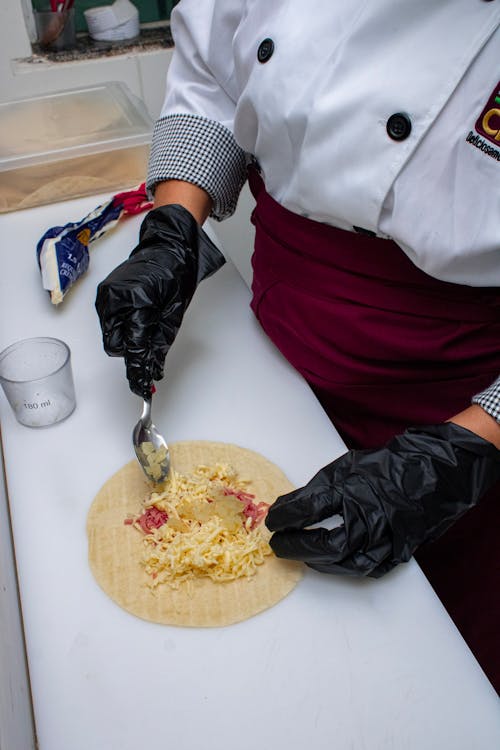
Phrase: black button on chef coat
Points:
(265, 51)
(398, 126)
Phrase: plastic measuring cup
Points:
(37, 379)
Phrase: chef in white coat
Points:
(370, 133)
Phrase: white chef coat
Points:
(315, 113)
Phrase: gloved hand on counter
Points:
(142, 302)
(391, 500)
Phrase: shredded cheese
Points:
(156, 459)
(212, 529)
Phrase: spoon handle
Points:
(146, 413)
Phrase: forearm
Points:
(477, 420)
(193, 198)
(199, 153)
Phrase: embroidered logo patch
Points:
(488, 122)
(487, 127)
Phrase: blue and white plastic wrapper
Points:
(63, 251)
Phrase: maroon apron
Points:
(384, 346)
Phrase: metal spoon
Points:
(150, 447)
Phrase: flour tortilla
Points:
(115, 548)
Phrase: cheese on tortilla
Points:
(229, 589)
(208, 525)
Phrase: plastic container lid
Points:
(72, 123)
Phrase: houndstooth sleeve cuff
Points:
(490, 400)
(202, 151)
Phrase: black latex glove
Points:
(142, 302)
(391, 500)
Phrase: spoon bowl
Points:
(150, 447)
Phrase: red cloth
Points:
(385, 346)
(133, 201)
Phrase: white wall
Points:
(143, 73)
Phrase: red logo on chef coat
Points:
(488, 122)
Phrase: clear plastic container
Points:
(72, 143)
(37, 379)
(55, 30)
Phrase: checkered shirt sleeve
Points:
(490, 400)
(201, 151)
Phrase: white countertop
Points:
(340, 663)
